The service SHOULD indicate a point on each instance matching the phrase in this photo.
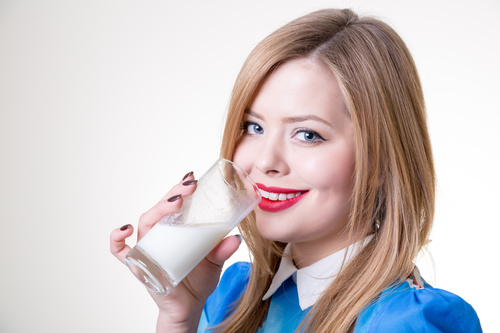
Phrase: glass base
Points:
(148, 272)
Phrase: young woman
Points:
(327, 116)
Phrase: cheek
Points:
(243, 156)
(329, 171)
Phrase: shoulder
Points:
(232, 285)
(413, 307)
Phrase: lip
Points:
(275, 206)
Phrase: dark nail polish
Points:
(187, 175)
(190, 182)
(175, 197)
(125, 227)
(240, 238)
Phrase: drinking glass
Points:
(224, 196)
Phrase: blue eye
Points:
(252, 128)
(308, 136)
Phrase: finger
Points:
(171, 203)
(224, 250)
(155, 213)
(118, 246)
(187, 181)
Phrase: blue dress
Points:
(402, 308)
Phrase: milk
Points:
(224, 195)
(177, 249)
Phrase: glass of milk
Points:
(224, 196)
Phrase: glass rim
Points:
(240, 169)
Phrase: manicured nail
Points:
(240, 238)
(187, 175)
(190, 182)
(175, 197)
(125, 227)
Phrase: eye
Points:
(252, 128)
(308, 135)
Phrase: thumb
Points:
(224, 250)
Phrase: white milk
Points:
(178, 249)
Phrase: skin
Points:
(299, 103)
(181, 309)
(298, 136)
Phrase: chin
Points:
(272, 234)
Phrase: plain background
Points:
(106, 104)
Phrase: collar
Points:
(314, 279)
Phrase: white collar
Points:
(314, 279)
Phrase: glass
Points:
(224, 196)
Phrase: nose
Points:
(271, 160)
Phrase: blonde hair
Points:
(394, 174)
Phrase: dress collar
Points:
(314, 279)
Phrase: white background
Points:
(106, 104)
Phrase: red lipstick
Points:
(277, 205)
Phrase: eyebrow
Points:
(296, 119)
(253, 114)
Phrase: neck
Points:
(307, 253)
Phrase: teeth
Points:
(278, 196)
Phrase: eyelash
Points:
(319, 138)
(246, 124)
(308, 131)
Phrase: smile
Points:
(278, 196)
(275, 199)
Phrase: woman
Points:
(328, 117)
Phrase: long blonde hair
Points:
(394, 174)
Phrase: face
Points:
(299, 148)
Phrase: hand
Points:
(180, 310)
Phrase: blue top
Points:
(402, 308)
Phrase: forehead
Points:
(299, 87)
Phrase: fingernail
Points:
(175, 197)
(125, 227)
(187, 175)
(189, 182)
(240, 238)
